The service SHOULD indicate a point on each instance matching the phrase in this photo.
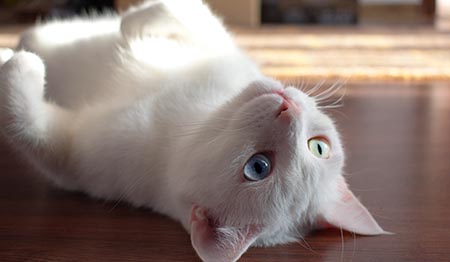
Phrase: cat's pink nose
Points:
(287, 105)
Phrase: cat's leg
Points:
(188, 20)
(5, 55)
(77, 53)
(44, 38)
(33, 126)
(152, 18)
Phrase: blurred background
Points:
(380, 40)
(256, 12)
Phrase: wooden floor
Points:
(397, 139)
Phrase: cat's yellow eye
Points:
(319, 147)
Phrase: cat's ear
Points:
(348, 213)
(219, 244)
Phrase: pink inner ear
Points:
(219, 244)
(349, 214)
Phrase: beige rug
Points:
(369, 54)
(355, 53)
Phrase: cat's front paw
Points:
(23, 74)
(21, 91)
(26, 63)
(5, 55)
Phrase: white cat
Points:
(159, 108)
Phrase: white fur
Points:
(163, 112)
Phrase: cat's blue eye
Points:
(257, 168)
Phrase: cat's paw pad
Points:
(5, 55)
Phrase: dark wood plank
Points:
(397, 139)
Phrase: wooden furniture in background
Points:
(429, 8)
(234, 12)
(442, 20)
(122, 5)
(238, 12)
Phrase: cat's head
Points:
(268, 168)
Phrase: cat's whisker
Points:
(298, 83)
(306, 245)
(302, 85)
(315, 88)
(354, 246)
(329, 101)
(116, 203)
(342, 243)
(336, 111)
(123, 194)
(339, 101)
(339, 98)
(333, 89)
(130, 187)
(288, 82)
(330, 106)
(326, 92)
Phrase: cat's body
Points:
(159, 108)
